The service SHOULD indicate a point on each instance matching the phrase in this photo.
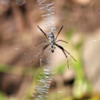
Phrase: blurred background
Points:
(20, 46)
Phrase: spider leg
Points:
(59, 32)
(44, 48)
(63, 52)
(70, 55)
(43, 32)
(66, 57)
(61, 41)
(40, 43)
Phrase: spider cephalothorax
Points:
(52, 42)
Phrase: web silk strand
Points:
(43, 85)
(47, 13)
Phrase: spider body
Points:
(52, 43)
(51, 38)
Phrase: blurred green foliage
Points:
(60, 68)
(5, 68)
(2, 96)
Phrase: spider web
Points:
(47, 13)
(20, 2)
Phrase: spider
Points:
(52, 42)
